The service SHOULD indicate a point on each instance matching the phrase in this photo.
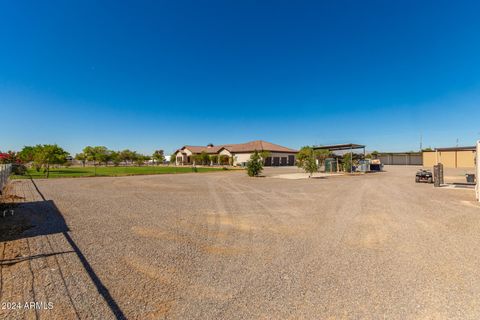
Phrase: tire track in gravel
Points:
(220, 208)
(221, 211)
(185, 256)
(303, 279)
(181, 272)
(334, 243)
(189, 252)
(250, 203)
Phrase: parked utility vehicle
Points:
(424, 176)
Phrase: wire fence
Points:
(5, 170)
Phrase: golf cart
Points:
(424, 176)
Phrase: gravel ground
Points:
(225, 246)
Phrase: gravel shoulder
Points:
(225, 246)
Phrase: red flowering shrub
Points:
(4, 157)
(9, 157)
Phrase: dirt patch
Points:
(153, 272)
(155, 233)
(373, 230)
(240, 223)
(223, 250)
(196, 229)
(474, 204)
(207, 291)
(161, 311)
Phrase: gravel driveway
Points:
(225, 246)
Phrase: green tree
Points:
(196, 159)
(140, 159)
(115, 158)
(97, 155)
(213, 159)
(146, 158)
(307, 160)
(81, 157)
(347, 162)
(103, 155)
(204, 158)
(158, 156)
(47, 155)
(255, 165)
(135, 157)
(26, 154)
(322, 155)
(173, 159)
(90, 154)
(126, 156)
(264, 155)
(35, 158)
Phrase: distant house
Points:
(237, 154)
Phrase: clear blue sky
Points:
(161, 74)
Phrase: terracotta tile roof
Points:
(200, 149)
(258, 145)
(251, 146)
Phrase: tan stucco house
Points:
(237, 154)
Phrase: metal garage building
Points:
(401, 158)
(455, 157)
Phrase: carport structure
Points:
(342, 147)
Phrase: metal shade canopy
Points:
(337, 147)
(346, 146)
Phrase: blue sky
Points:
(161, 74)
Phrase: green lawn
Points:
(73, 172)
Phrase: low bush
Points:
(255, 165)
(19, 169)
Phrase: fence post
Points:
(5, 170)
(438, 175)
